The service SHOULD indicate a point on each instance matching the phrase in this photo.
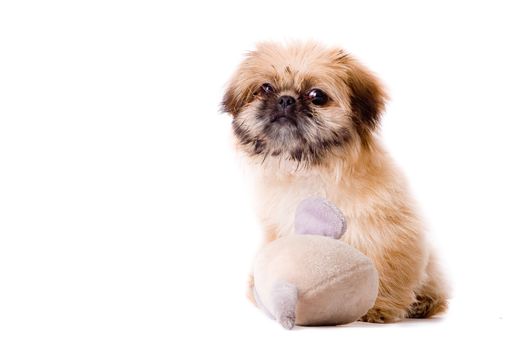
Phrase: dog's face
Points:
(302, 102)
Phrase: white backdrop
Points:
(125, 218)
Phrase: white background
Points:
(125, 217)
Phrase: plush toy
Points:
(311, 278)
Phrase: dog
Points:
(305, 119)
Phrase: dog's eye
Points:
(318, 97)
(267, 88)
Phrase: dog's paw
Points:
(375, 315)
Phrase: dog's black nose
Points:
(286, 101)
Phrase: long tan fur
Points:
(351, 169)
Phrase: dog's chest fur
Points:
(280, 194)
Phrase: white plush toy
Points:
(311, 278)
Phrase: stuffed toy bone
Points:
(311, 278)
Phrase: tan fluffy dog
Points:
(305, 118)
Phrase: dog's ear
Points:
(230, 103)
(367, 95)
(238, 93)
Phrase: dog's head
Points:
(302, 102)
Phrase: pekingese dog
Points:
(305, 117)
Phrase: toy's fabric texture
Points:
(312, 280)
(317, 216)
